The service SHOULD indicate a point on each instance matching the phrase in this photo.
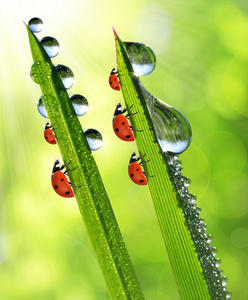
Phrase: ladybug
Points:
(49, 135)
(59, 181)
(120, 124)
(113, 80)
(134, 170)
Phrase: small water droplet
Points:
(94, 138)
(40, 71)
(142, 58)
(171, 127)
(35, 25)
(214, 251)
(228, 295)
(51, 46)
(224, 280)
(80, 104)
(186, 181)
(66, 75)
(41, 108)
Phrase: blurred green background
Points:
(202, 70)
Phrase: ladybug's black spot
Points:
(141, 180)
(67, 193)
(123, 123)
(116, 129)
(117, 87)
(46, 137)
(132, 175)
(50, 133)
(115, 79)
(53, 141)
(110, 82)
(128, 136)
(56, 186)
(137, 169)
(62, 179)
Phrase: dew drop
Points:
(214, 251)
(171, 127)
(224, 280)
(94, 138)
(35, 25)
(228, 295)
(51, 46)
(186, 181)
(41, 108)
(217, 262)
(142, 58)
(80, 104)
(66, 75)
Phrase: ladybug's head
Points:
(133, 158)
(113, 71)
(118, 110)
(47, 126)
(56, 166)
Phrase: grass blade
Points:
(180, 246)
(92, 199)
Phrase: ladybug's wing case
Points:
(114, 82)
(49, 136)
(136, 174)
(122, 128)
(61, 185)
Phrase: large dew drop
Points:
(171, 127)
(80, 104)
(35, 25)
(41, 108)
(94, 139)
(51, 46)
(142, 58)
(66, 75)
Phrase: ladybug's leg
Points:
(148, 175)
(135, 129)
(74, 184)
(69, 170)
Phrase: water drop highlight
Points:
(66, 75)
(94, 139)
(35, 25)
(142, 58)
(51, 46)
(80, 104)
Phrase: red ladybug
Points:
(113, 80)
(59, 181)
(134, 170)
(120, 124)
(48, 134)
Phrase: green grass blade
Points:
(180, 246)
(92, 198)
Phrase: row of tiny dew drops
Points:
(213, 274)
(79, 102)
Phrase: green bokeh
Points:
(202, 70)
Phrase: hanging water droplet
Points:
(217, 262)
(186, 181)
(224, 280)
(41, 108)
(40, 71)
(80, 104)
(66, 75)
(171, 127)
(94, 138)
(35, 25)
(51, 46)
(214, 251)
(142, 58)
(228, 295)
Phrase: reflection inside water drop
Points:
(171, 127)
(41, 108)
(35, 25)
(142, 58)
(51, 46)
(94, 139)
(80, 104)
(66, 75)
